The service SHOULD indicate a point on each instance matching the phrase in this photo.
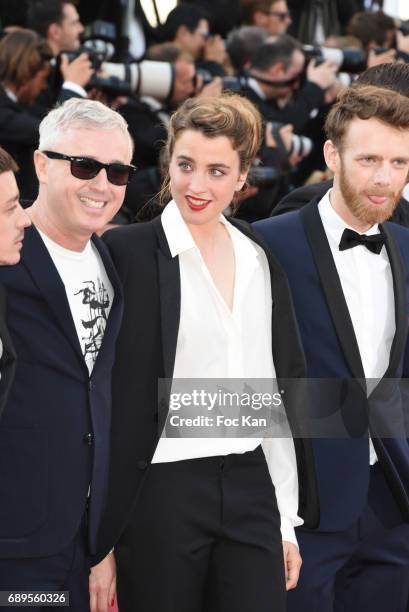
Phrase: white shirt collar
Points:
(334, 224)
(255, 86)
(10, 94)
(180, 239)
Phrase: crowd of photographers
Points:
(289, 58)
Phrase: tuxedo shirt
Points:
(215, 342)
(367, 284)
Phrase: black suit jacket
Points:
(146, 351)
(301, 196)
(54, 431)
(8, 357)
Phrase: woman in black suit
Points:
(198, 305)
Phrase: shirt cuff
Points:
(75, 88)
(287, 531)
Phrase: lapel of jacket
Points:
(169, 291)
(115, 314)
(8, 346)
(399, 291)
(332, 288)
(36, 259)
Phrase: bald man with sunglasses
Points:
(64, 312)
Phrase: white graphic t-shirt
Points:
(89, 293)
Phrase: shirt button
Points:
(88, 439)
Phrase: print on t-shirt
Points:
(95, 299)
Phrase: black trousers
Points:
(67, 570)
(200, 523)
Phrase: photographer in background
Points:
(275, 84)
(271, 15)
(24, 67)
(225, 14)
(379, 31)
(59, 23)
(187, 27)
(288, 90)
(242, 45)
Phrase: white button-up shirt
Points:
(215, 342)
(367, 284)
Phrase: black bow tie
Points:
(350, 239)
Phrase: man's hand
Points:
(286, 132)
(323, 75)
(211, 90)
(375, 59)
(102, 585)
(215, 50)
(78, 71)
(332, 92)
(292, 565)
(402, 42)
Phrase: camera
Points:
(231, 83)
(350, 60)
(300, 145)
(98, 43)
(148, 78)
(263, 176)
(404, 27)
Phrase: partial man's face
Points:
(71, 28)
(194, 42)
(13, 220)
(292, 74)
(276, 20)
(184, 85)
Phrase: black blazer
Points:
(54, 431)
(146, 351)
(8, 357)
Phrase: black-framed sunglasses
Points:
(282, 16)
(86, 168)
(295, 80)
